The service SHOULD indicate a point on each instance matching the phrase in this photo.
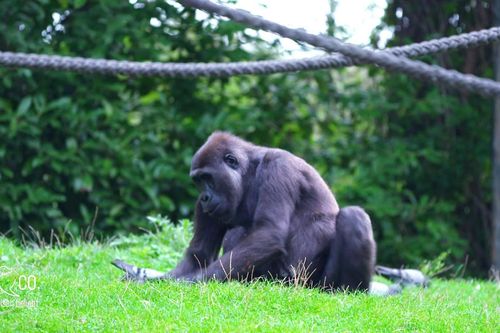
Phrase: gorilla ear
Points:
(231, 160)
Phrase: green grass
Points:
(78, 290)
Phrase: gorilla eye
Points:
(231, 161)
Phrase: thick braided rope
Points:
(166, 69)
(418, 69)
(255, 67)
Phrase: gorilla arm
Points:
(264, 243)
(202, 251)
(203, 248)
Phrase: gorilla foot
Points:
(405, 277)
(137, 274)
(402, 278)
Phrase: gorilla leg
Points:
(235, 236)
(232, 238)
(351, 262)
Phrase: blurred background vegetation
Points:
(80, 149)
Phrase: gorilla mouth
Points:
(213, 210)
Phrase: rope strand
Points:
(390, 58)
(168, 69)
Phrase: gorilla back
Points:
(274, 216)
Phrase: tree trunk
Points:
(495, 255)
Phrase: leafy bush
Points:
(111, 150)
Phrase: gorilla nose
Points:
(205, 198)
(206, 202)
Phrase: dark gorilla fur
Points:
(274, 217)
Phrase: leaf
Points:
(24, 105)
(150, 98)
(59, 103)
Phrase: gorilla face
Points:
(217, 170)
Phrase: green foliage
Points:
(437, 141)
(109, 150)
(436, 266)
(114, 149)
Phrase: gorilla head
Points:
(218, 169)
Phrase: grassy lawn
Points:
(78, 290)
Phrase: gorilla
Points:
(274, 217)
